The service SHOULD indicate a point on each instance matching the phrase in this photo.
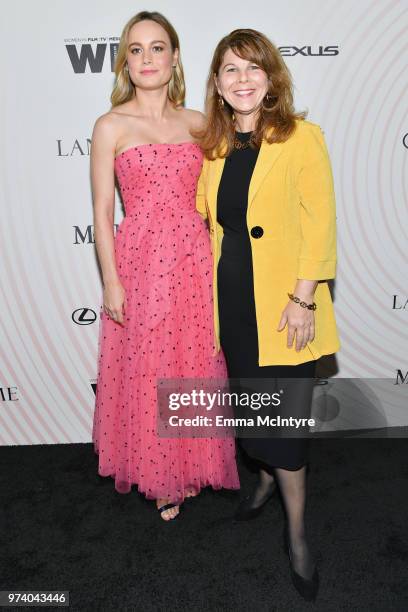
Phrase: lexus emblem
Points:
(84, 316)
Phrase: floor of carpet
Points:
(66, 528)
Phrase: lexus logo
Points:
(84, 316)
(308, 50)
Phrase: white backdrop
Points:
(49, 281)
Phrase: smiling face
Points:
(241, 83)
(150, 56)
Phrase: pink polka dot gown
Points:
(163, 259)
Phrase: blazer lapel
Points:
(214, 178)
(268, 154)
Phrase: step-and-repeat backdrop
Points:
(349, 64)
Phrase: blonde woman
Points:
(267, 191)
(157, 318)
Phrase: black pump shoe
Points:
(246, 511)
(306, 588)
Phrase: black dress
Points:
(238, 326)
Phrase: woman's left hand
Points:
(300, 322)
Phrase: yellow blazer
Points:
(291, 212)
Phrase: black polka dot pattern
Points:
(164, 262)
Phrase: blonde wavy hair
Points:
(277, 116)
(124, 90)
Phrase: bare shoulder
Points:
(193, 118)
(116, 116)
(113, 125)
(106, 125)
(121, 111)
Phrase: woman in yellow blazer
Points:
(266, 190)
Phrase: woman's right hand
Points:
(114, 301)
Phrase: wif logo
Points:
(89, 54)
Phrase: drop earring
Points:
(268, 98)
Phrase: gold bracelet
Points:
(295, 299)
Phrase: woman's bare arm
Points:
(103, 188)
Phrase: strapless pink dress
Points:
(163, 259)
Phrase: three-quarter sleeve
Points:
(317, 258)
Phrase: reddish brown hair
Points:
(277, 117)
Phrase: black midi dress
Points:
(237, 315)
